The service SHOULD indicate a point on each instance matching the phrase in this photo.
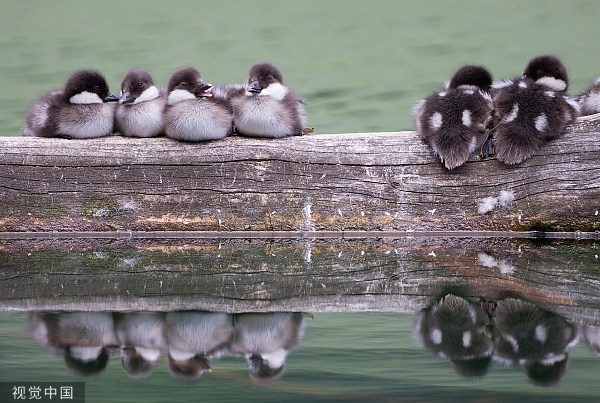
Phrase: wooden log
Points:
(329, 182)
(237, 275)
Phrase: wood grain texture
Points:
(237, 275)
(327, 182)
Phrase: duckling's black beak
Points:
(202, 90)
(254, 86)
(111, 98)
(126, 98)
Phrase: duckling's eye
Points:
(97, 87)
(140, 85)
(183, 83)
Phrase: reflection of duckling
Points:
(193, 338)
(82, 337)
(532, 109)
(141, 339)
(589, 100)
(528, 335)
(141, 104)
(79, 111)
(268, 108)
(265, 340)
(455, 329)
(453, 122)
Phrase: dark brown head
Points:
(87, 86)
(262, 75)
(471, 75)
(135, 82)
(189, 79)
(548, 70)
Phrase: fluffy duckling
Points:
(453, 122)
(193, 338)
(79, 111)
(140, 336)
(267, 108)
(589, 100)
(265, 340)
(532, 109)
(457, 330)
(83, 338)
(141, 104)
(528, 335)
(193, 113)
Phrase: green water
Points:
(344, 357)
(360, 65)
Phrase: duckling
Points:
(453, 122)
(83, 338)
(265, 340)
(193, 338)
(589, 100)
(456, 329)
(267, 108)
(532, 109)
(193, 113)
(141, 338)
(538, 339)
(141, 104)
(79, 111)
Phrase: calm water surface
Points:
(354, 336)
(359, 65)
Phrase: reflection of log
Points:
(400, 275)
(368, 181)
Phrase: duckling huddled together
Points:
(190, 109)
(510, 119)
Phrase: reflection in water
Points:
(190, 339)
(511, 331)
(455, 329)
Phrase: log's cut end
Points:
(329, 182)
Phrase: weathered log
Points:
(261, 275)
(362, 181)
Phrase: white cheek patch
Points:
(86, 354)
(149, 354)
(148, 94)
(85, 98)
(178, 96)
(276, 359)
(435, 121)
(180, 355)
(552, 83)
(275, 91)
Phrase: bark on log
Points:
(236, 275)
(362, 181)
